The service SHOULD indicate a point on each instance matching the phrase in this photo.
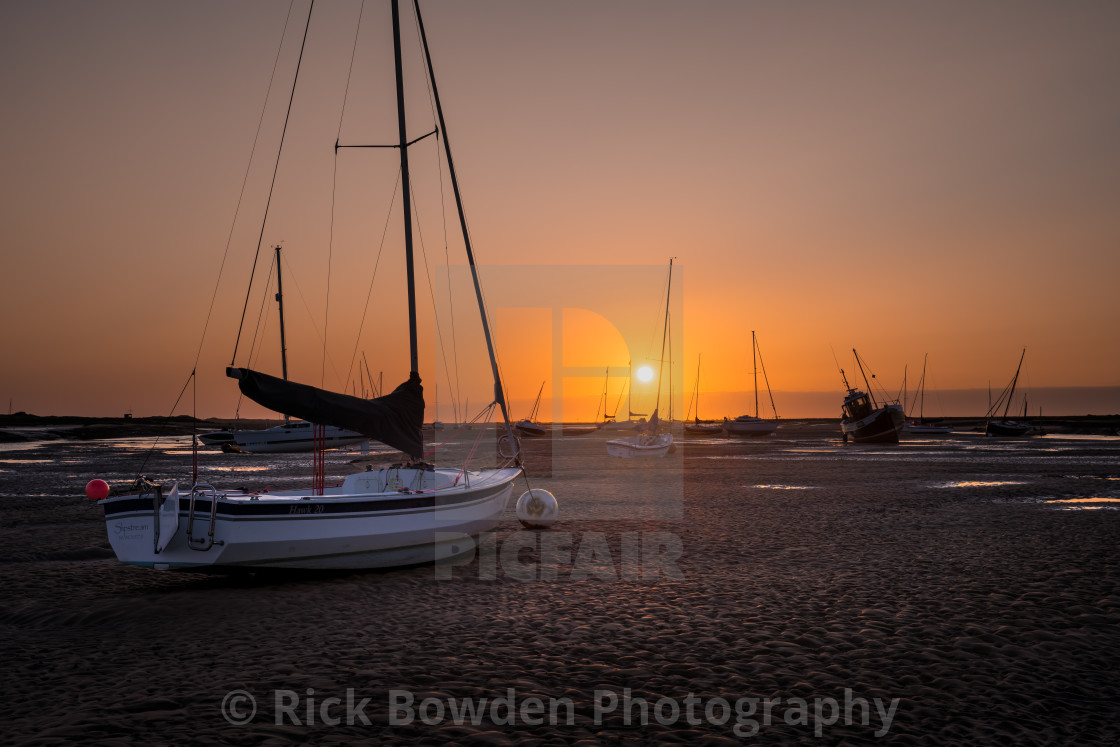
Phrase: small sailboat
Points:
(700, 427)
(920, 426)
(866, 421)
(529, 426)
(651, 440)
(753, 425)
(1003, 426)
(291, 436)
(409, 513)
(607, 417)
(611, 423)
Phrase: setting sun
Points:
(645, 374)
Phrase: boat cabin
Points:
(857, 405)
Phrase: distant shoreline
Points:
(20, 427)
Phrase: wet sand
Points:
(801, 569)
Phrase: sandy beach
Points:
(789, 590)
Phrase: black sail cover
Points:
(394, 419)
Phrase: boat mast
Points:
(697, 390)
(1013, 382)
(754, 363)
(606, 378)
(629, 390)
(664, 336)
(922, 388)
(406, 191)
(537, 404)
(906, 393)
(769, 393)
(499, 393)
(670, 367)
(866, 383)
(280, 304)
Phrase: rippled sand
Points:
(934, 572)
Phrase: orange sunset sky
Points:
(902, 178)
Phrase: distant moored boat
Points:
(864, 420)
(1004, 426)
(753, 425)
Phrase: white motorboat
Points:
(295, 436)
(921, 428)
(749, 425)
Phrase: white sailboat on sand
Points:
(753, 425)
(409, 513)
(652, 440)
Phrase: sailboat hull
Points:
(703, 429)
(1007, 428)
(921, 429)
(530, 429)
(379, 519)
(745, 426)
(640, 446)
(282, 439)
(882, 426)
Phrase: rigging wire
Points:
(499, 393)
(369, 293)
(233, 226)
(262, 319)
(272, 186)
(458, 396)
(765, 378)
(334, 190)
(435, 315)
(294, 280)
(695, 393)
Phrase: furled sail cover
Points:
(394, 419)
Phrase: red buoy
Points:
(97, 490)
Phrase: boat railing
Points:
(202, 543)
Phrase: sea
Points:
(1065, 471)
